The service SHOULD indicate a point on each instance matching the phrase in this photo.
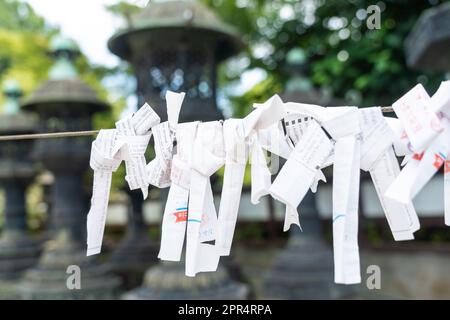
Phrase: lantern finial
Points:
(296, 60)
(64, 51)
(12, 92)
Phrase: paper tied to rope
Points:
(241, 138)
(300, 170)
(176, 210)
(424, 162)
(343, 126)
(104, 163)
(420, 122)
(128, 142)
(296, 124)
(440, 102)
(158, 170)
(208, 157)
(378, 158)
(135, 131)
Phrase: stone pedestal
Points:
(18, 250)
(304, 269)
(48, 279)
(166, 281)
(136, 251)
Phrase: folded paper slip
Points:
(418, 118)
(378, 158)
(133, 153)
(128, 142)
(176, 210)
(421, 168)
(158, 170)
(208, 157)
(241, 138)
(103, 163)
(343, 126)
(298, 173)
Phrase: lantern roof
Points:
(56, 93)
(64, 89)
(13, 120)
(183, 16)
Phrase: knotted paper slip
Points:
(128, 142)
(296, 122)
(176, 209)
(200, 153)
(158, 170)
(241, 139)
(208, 157)
(344, 128)
(427, 131)
(377, 157)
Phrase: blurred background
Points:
(77, 65)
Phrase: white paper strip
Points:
(158, 170)
(176, 209)
(345, 211)
(418, 118)
(133, 130)
(420, 169)
(208, 156)
(300, 170)
(447, 189)
(377, 157)
(242, 136)
(103, 163)
(235, 163)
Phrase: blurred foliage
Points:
(125, 10)
(367, 67)
(24, 43)
(24, 39)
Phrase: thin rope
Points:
(69, 134)
(387, 109)
(49, 135)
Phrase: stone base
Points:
(9, 290)
(131, 259)
(18, 252)
(303, 270)
(167, 281)
(49, 278)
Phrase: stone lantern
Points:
(428, 43)
(18, 251)
(304, 269)
(177, 46)
(65, 103)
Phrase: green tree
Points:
(365, 66)
(23, 41)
